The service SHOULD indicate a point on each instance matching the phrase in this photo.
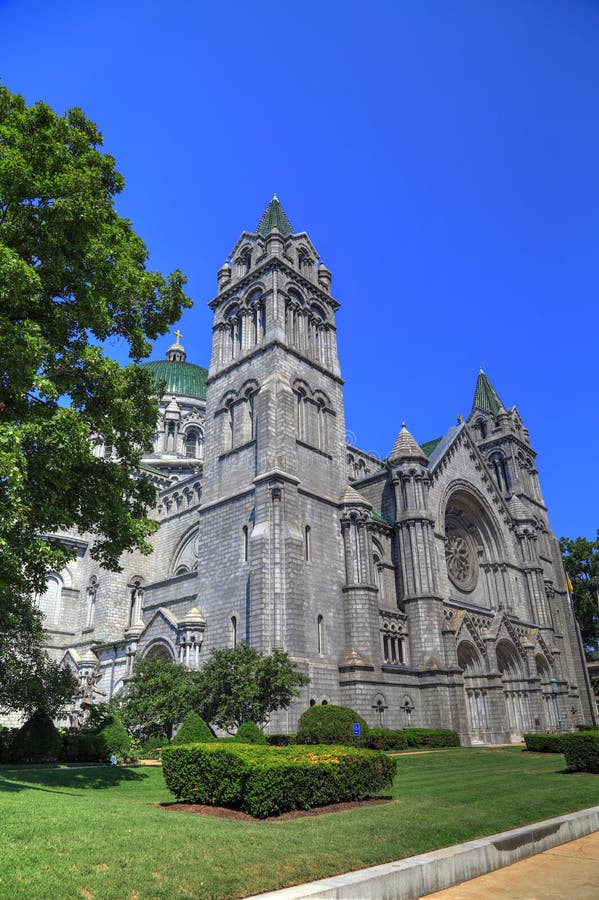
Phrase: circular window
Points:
(461, 564)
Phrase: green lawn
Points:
(100, 833)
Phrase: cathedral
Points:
(425, 589)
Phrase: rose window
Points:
(460, 562)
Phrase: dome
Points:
(182, 378)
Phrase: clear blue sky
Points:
(443, 155)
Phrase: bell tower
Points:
(275, 463)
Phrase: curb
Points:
(416, 876)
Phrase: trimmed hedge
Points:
(192, 731)
(265, 781)
(7, 738)
(544, 743)
(331, 725)
(581, 750)
(431, 737)
(151, 747)
(249, 733)
(280, 740)
(37, 741)
(386, 739)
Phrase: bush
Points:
(37, 740)
(7, 737)
(280, 740)
(581, 750)
(152, 746)
(386, 739)
(192, 731)
(431, 737)
(112, 738)
(249, 733)
(544, 743)
(331, 725)
(266, 781)
(587, 728)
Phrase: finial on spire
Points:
(274, 197)
(178, 335)
(403, 425)
(481, 371)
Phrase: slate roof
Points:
(274, 216)
(405, 447)
(182, 378)
(485, 396)
(429, 446)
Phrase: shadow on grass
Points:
(26, 778)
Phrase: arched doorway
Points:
(517, 703)
(550, 710)
(477, 708)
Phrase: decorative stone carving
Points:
(461, 565)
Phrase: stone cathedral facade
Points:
(426, 589)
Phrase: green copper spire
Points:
(485, 396)
(274, 217)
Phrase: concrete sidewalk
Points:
(568, 871)
(557, 858)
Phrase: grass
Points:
(98, 833)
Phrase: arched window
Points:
(245, 543)
(482, 428)
(234, 632)
(320, 635)
(307, 544)
(379, 574)
(135, 601)
(500, 471)
(92, 593)
(193, 442)
(50, 602)
(301, 416)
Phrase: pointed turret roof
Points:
(485, 396)
(405, 447)
(274, 216)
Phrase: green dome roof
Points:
(182, 378)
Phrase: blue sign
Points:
(357, 729)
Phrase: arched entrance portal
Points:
(476, 693)
(550, 711)
(517, 705)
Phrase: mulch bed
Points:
(223, 812)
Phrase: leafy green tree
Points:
(240, 684)
(158, 697)
(72, 276)
(581, 561)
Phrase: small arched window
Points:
(482, 428)
(320, 634)
(234, 632)
(192, 443)
(135, 601)
(307, 544)
(245, 543)
(500, 471)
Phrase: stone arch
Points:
(474, 547)
(550, 711)
(475, 690)
(159, 649)
(185, 555)
(516, 698)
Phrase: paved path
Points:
(568, 871)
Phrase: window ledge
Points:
(237, 449)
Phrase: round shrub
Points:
(192, 731)
(330, 725)
(37, 740)
(249, 733)
(112, 738)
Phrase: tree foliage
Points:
(158, 697)
(72, 276)
(240, 684)
(581, 561)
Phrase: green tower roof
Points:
(274, 217)
(182, 378)
(485, 396)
